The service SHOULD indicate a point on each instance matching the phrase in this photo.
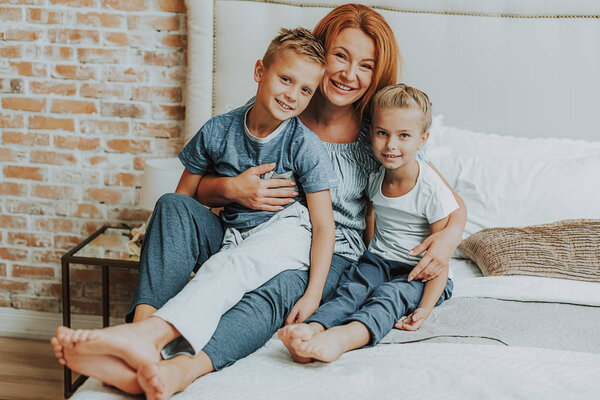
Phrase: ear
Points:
(424, 138)
(259, 69)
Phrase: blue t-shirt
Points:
(224, 146)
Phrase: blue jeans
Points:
(181, 235)
(376, 293)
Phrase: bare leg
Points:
(137, 343)
(294, 335)
(162, 380)
(142, 312)
(329, 345)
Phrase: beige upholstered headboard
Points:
(525, 68)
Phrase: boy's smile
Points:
(285, 88)
(396, 135)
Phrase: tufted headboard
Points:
(524, 68)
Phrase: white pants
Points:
(245, 262)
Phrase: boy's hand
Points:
(304, 308)
(413, 321)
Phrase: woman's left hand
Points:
(439, 248)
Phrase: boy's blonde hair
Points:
(300, 40)
(402, 96)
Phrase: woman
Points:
(362, 57)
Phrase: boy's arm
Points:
(321, 251)
(188, 183)
(433, 290)
(246, 189)
(370, 224)
(440, 245)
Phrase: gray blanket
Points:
(511, 323)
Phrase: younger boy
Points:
(408, 202)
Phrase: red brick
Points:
(173, 74)
(139, 162)
(124, 277)
(8, 85)
(177, 6)
(104, 20)
(22, 35)
(170, 23)
(66, 242)
(46, 256)
(49, 123)
(122, 292)
(129, 214)
(52, 157)
(163, 58)
(2, 269)
(5, 300)
(25, 271)
(175, 40)
(92, 226)
(74, 3)
(54, 225)
(27, 68)
(10, 14)
(98, 160)
(73, 107)
(105, 127)
(167, 147)
(82, 306)
(23, 104)
(6, 155)
(23, 2)
(74, 142)
(164, 111)
(101, 56)
(25, 139)
(9, 253)
(103, 195)
(126, 5)
(11, 51)
(12, 189)
(129, 145)
(156, 129)
(53, 87)
(131, 74)
(58, 53)
(88, 211)
(73, 36)
(79, 72)
(36, 207)
(46, 16)
(147, 93)
(81, 176)
(50, 289)
(116, 39)
(102, 91)
(24, 239)
(13, 286)
(16, 171)
(13, 222)
(125, 110)
(11, 120)
(86, 274)
(46, 304)
(122, 179)
(55, 192)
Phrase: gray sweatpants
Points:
(246, 261)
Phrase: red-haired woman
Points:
(362, 57)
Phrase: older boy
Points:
(408, 202)
(257, 244)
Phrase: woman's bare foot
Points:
(58, 351)
(136, 344)
(293, 336)
(110, 370)
(160, 380)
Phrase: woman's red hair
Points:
(387, 54)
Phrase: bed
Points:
(514, 86)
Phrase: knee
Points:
(177, 202)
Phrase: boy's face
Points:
(397, 135)
(286, 86)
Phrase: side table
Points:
(105, 248)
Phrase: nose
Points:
(350, 71)
(292, 94)
(392, 143)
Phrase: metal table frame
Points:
(69, 258)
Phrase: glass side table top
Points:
(110, 245)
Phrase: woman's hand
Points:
(249, 190)
(439, 248)
(304, 308)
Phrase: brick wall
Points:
(88, 90)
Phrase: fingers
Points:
(416, 272)
(291, 318)
(420, 248)
(261, 169)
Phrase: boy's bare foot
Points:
(110, 370)
(160, 380)
(326, 346)
(293, 336)
(136, 344)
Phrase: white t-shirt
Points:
(401, 223)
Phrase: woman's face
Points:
(350, 65)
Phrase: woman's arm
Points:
(247, 189)
(321, 251)
(440, 245)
